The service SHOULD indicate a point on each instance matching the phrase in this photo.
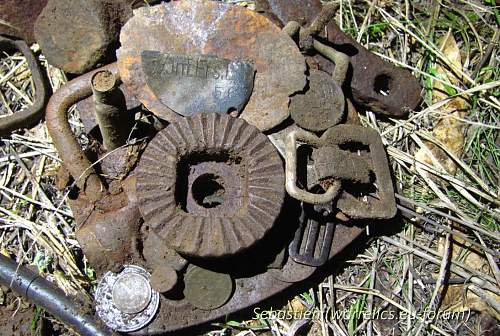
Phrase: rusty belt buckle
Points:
(30, 115)
(382, 207)
(291, 169)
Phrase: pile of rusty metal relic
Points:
(226, 160)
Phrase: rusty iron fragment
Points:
(321, 106)
(212, 28)
(221, 85)
(383, 205)
(17, 18)
(343, 167)
(292, 271)
(109, 231)
(291, 141)
(210, 185)
(78, 35)
(206, 289)
(33, 114)
(375, 84)
(248, 291)
(332, 161)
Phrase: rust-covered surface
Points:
(109, 231)
(74, 159)
(202, 206)
(86, 108)
(321, 106)
(17, 17)
(248, 291)
(375, 84)
(213, 28)
(210, 185)
(79, 35)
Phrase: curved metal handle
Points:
(291, 170)
(73, 157)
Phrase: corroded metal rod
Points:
(110, 109)
(73, 157)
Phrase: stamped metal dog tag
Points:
(191, 84)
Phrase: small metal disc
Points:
(163, 279)
(321, 106)
(206, 289)
(125, 301)
(131, 293)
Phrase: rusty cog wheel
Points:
(210, 185)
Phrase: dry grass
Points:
(445, 258)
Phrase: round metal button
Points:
(320, 107)
(207, 289)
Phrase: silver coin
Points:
(131, 293)
(125, 301)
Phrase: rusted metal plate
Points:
(376, 84)
(213, 28)
(321, 106)
(17, 17)
(210, 185)
(249, 291)
(108, 235)
(292, 271)
(221, 85)
(383, 206)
